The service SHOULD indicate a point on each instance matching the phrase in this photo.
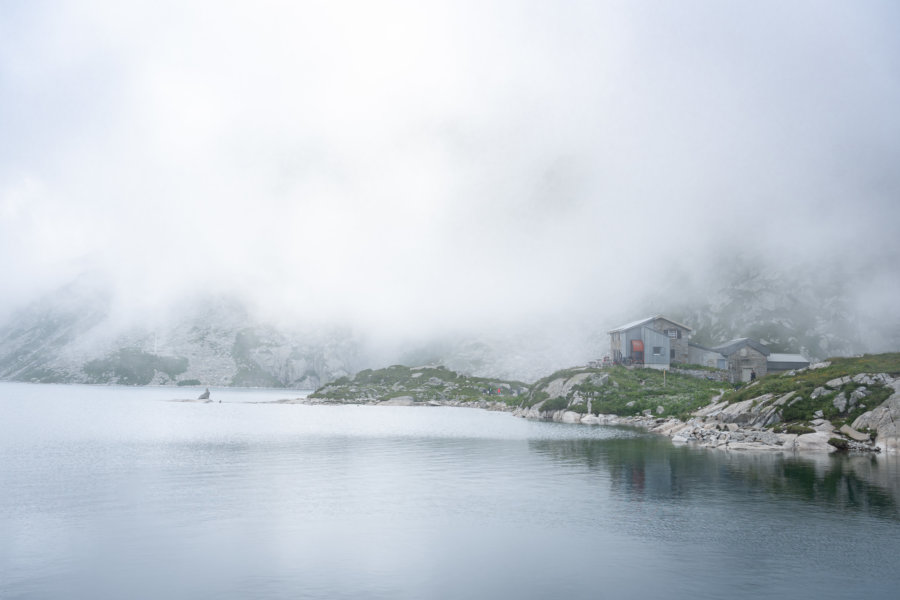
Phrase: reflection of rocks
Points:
(650, 466)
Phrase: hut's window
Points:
(657, 350)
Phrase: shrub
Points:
(558, 403)
(839, 443)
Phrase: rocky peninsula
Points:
(844, 404)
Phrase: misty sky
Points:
(409, 163)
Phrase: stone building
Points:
(701, 355)
(743, 356)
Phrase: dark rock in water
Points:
(204, 395)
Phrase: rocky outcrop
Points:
(884, 420)
(748, 424)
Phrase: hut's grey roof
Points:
(693, 345)
(639, 322)
(729, 348)
(787, 358)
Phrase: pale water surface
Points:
(110, 492)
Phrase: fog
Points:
(413, 168)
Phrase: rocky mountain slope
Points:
(817, 310)
(80, 333)
(76, 336)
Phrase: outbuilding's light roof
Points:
(787, 358)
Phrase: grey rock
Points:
(837, 382)
(819, 414)
(819, 391)
(854, 434)
(857, 395)
(824, 426)
(885, 420)
(863, 378)
(398, 401)
(814, 442)
(660, 410)
(784, 399)
(840, 402)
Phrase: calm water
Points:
(110, 492)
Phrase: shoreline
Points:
(696, 431)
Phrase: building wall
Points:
(620, 342)
(742, 361)
(616, 350)
(679, 343)
(707, 358)
(654, 339)
(778, 367)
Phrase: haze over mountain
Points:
(490, 184)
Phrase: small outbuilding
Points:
(776, 363)
(707, 357)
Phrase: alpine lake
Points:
(117, 492)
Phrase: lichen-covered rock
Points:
(840, 402)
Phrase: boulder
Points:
(840, 402)
(814, 442)
(854, 434)
(863, 378)
(857, 395)
(824, 426)
(837, 382)
(787, 440)
(398, 401)
(784, 399)
(569, 416)
(885, 420)
(711, 410)
(819, 391)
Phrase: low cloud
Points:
(409, 168)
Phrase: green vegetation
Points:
(803, 407)
(839, 443)
(622, 391)
(794, 428)
(423, 384)
(133, 366)
(631, 391)
(187, 382)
